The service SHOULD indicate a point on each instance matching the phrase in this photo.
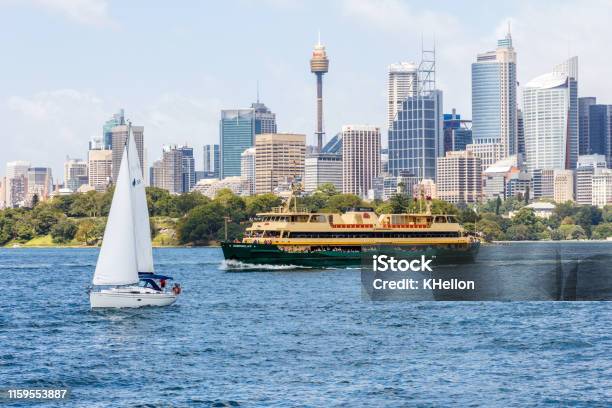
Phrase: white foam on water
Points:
(233, 265)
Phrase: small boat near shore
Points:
(290, 236)
(124, 275)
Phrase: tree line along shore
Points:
(194, 219)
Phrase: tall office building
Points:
(237, 133)
(360, 158)
(16, 184)
(99, 168)
(583, 124)
(563, 186)
(119, 137)
(278, 157)
(265, 120)
(107, 129)
(459, 177)
(168, 172)
(457, 132)
(188, 168)
(319, 65)
(543, 183)
(550, 113)
(600, 131)
(211, 160)
(494, 100)
(584, 176)
(520, 135)
(248, 171)
(402, 83)
(40, 183)
(416, 136)
(75, 173)
(322, 169)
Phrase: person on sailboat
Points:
(176, 289)
(162, 283)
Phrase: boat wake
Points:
(233, 265)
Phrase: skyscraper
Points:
(278, 157)
(416, 136)
(237, 133)
(360, 158)
(75, 173)
(402, 83)
(319, 65)
(494, 100)
(119, 137)
(520, 135)
(188, 168)
(265, 120)
(16, 187)
(600, 131)
(107, 129)
(585, 170)
(248, 171)
(583, 124)
(99, 168)
(40, 183)
(457, 132)
(550, 104)
(211, 160)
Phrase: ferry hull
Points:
(269, 254)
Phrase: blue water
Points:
(290, 338)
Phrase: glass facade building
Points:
(237, 133)
(457, 132)
(584, 105)
(211, 160)
(494, 97)
(107, 134)
(416, 136)
(600, 130)
(188, 166)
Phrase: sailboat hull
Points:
(130, 297)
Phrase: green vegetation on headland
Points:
(193, 219)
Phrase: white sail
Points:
(117, 260)
(142, 230)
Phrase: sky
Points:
(68, 65)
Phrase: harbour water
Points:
(292, 338)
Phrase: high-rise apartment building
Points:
(360, 158)
(584, 104)
(402, 83)
(237, 131)
(520, 134)
(457, 132)
(494, 97)
(550, 105)
(459, 177)
(416, 136)
(278, 158)
(119, 138)
(563, 186)
(488, 153)
(99, 168)
(107, 129)
(602, 188)
(211, 160)
(248, 171)
(16, 184)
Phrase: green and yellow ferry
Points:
(291, 236)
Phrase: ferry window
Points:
(440, 219)
(317, 218)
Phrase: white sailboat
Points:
(126, 248)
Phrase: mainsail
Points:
(117, 263)
(140, 211)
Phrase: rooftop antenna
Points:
(319, 43)
(258, 91)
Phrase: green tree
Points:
(519, 232)
(87, 232)
(262, 203)
(491, 230)
(201, 224)
(587, 216)
(6, 229)
(35, 201)
(44, 217)
(187, 201)
(498, 203)
(602, 231)
(64, 231)
(342, 201)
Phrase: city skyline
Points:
(178, 98)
